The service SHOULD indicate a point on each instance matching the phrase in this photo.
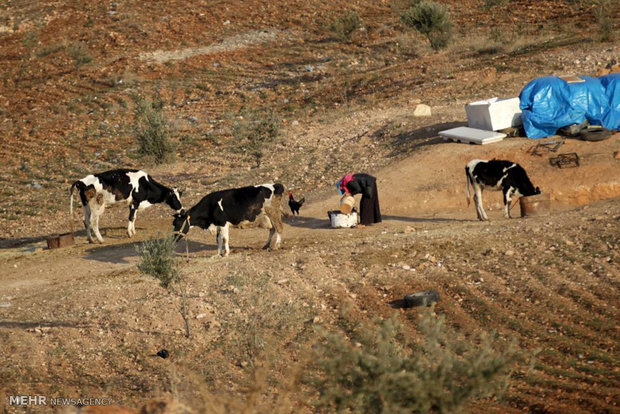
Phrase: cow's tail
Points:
(468, 179)
(80, 186)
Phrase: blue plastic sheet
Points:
(550, 103)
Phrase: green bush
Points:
(370, 370)
(158, 259)
(344, 26)
(153, 132)
(432, 20)
(254, 130)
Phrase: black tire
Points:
(423, 298)
(594, 134)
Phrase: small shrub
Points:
(30, 40)
(153, 132)
(344, 26)
(50, 50)
(488, 4)
(432, 20)
(369, 370)
(158, 259)
(254, 130)
(604, 12)
(80, 54)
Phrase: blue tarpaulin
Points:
(550, 103)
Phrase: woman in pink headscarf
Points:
(366, 185)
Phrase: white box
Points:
(472, 135)
(494, 114)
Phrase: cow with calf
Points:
(224, 208)
(133, 187)
(503, 175)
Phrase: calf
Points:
(136, 188)
(507, 176)
(235, 206)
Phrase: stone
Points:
(422, 110)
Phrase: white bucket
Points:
(339, 220)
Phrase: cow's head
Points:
(181, 223)
(537, 191)
(174, 200)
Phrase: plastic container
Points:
(347, 202)
(339, 220)
(535, 205)
(494, 114)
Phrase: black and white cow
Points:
(503, 175)
(235, 206)
(134, 187)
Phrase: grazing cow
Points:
(235, 206)
(136, 188)
(507, 176)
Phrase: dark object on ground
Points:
(594, 133)
(570, 159)
(295, 205)
(54, 242)
(573, 130)
(513, 132)
(551, 146)
(423, 298)
(163, 354)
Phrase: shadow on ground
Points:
(408, 141)
(121, 253)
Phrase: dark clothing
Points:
(366, 185)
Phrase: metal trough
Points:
(535, 205)
(62, 240)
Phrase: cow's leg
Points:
(97, 206)
(93, 223)
(219, 240)
(99, 213)
(225, 239)
(482, 215)
(276, 228)
(272, 231)
(131, 226)
(507, 201)
(87, 223)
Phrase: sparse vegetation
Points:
(345, 25)
(604, 11)
(345, 106)
(254, 131)
(432, 20)
(153, 131)
(79, 53)
(373, 369)
(158, 259)
(488, 4)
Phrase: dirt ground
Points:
(82, 321)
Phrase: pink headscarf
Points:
(345, 180)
